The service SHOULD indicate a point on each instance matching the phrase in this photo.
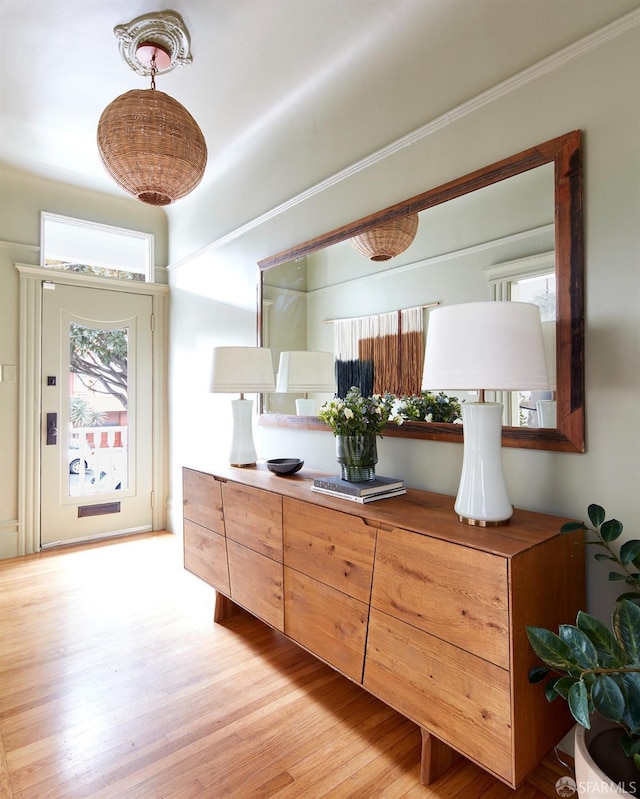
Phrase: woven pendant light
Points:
(387, 240)
(148, 142)
(151, 146)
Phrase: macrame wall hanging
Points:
(380, 353)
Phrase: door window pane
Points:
(98, 398)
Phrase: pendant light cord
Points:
(154, 71)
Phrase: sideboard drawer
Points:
(254, 518)
(205, 554)
(326, 622)
(462, 699)
(202, 500)
(256, 583)
(333, 547)
(455, 592)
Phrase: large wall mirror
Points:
(510, 231)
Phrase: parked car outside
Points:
(76, 451)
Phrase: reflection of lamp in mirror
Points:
(300, 372)
(547, 409)
(240, 370)
(495, 346)
(387, 240)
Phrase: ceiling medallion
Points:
(164, 28)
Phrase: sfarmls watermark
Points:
(567, 786)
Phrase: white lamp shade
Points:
(239, 370)
(485, 345)
(301, 371)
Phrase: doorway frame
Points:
(30, 392)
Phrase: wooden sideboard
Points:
(426, 613)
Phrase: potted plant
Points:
(596, 669)
(428, 407)
(356, 421)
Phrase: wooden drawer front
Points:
(205, 554)
(331, 546)
(254, 518)
(256, 583)
(454, 592)
(327, 622)
(202, 499)
(461, 699)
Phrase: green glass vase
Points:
(357, 456)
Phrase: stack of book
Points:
(378, 488)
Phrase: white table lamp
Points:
(240, 370)
(484, 346)
(300, 372)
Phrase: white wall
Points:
(214, 293)
(23, 198)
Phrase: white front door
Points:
(96, 431)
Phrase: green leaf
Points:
(563, 685)
(607, 698)
(596, 514)
(571, 527)
(609, 651)
(636, 760)
(583, 651)
(579, 704)
(611, 530)
(632, 596)
(630, 744)
(613, 576)
(626, 628)
(629, 551)
(550, 689)
(630, 685)
(602, 556)
(551, 649)
(537, 674)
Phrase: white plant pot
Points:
(591, 780)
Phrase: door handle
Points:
(52, 428)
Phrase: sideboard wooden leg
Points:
(436, 757)
(224, 607)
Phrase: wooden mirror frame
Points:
(566, 154)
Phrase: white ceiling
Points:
(307, 85)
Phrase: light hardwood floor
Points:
(115, 684)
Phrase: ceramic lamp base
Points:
(243, 451)
(482, 496)
(306, 407)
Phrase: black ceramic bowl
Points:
(285, 465)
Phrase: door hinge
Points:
(153, 323)
(151, 499)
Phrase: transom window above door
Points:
(77, 245)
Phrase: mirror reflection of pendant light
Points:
(387, 240)
(149, 143)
